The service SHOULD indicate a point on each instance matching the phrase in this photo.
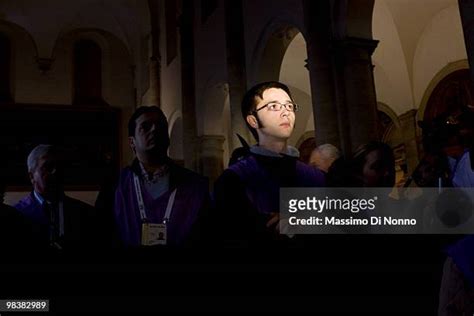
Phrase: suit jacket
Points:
(79, 222)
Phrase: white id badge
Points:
(153, 234)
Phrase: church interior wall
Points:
(420, 42)
(392, 81)
(211, 70)
(409, 59)
(405, 65)
(265, 18)
(171, 89)
(430, 56)
(51, 40)
(23, 62)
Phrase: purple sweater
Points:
(192, 198)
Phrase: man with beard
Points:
(56, 219)
(156, 201)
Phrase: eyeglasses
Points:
(277, 106)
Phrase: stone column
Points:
(211, 161)
(155, 59)
(355, 84)
(408, 128)
(342, 81)
(321, 72)
(153, 94)
(188, 86)
(236, 68)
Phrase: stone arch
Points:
(117, 74)
(100, 37)
(117, 70)
(23, 58)
(452, 96)
(437, 79)
(390, 113)
(15, 33)
(389, 126)
(268, 55)
(388, 131)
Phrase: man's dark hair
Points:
(360, 156)
(132, 123)
(249, 102)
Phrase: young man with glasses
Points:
(247, 193)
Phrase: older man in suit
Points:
(56, 219)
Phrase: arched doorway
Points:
(448, 118)
(452, 95)
(277, 37)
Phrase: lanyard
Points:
(141, 204)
